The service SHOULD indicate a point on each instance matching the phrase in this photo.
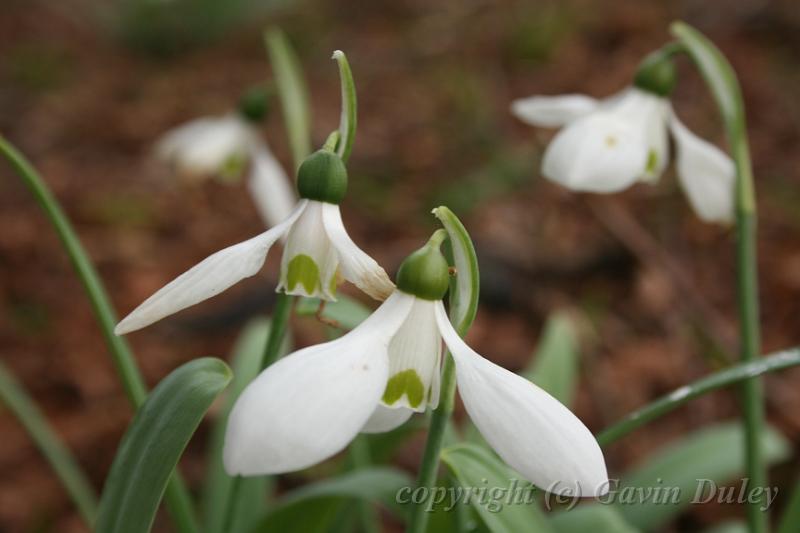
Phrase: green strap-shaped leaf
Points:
(464, 294)
(314, 507)
(596, 518)
(348, 120)
(714, 453)
(154, 442)
(555, 365)
(476, 468)
(16, 398)
(250, 495)
(293, 93)
(731, 527)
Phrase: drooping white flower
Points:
(226, 145)
(308, 406)
(318, 250)
(608, 145)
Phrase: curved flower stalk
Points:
(317, 255)
(608, 145)
(308, 406)
(224, 146)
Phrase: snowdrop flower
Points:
(308, 406)
(608, 145)
(224, 146)
(318, 252)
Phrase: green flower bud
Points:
(425, 273)
(322, 176)
(254, 104)
(656, 73)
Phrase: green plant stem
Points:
(735, 374)
(433, 446)
(359, 459)
(14, 396)
(177, 496)
(272, 349)
(277, 330)
(790, 521)
(721, 81)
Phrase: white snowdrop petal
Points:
(310, 263)
(647, 113)
(208, 278)
(601, 152)
(354, 264)
(270, 187)
(385, 419)
(309, 405)
(553, 111)
(706, 174)
(204, 145)
(414, 360)
(530, 430)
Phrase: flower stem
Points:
(433, 446)
(177, 496)
(272, 349)
(277, 330)
(736, 374)
(724, 87)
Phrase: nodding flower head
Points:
(317, 255)
(308, 406)
(226, 146)
(608, 145)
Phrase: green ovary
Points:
(406, 382)
(303, 270)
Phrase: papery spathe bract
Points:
(608, 145)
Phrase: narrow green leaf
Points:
(72, 477)
(555, 365)
(345, 311)
(595, 517)
(154, 442)
(723, 378)
(315, 507)
(349, 119)
(732, 527)
(250, 495)
(503, 500)
(293, 93)
(177, 497)
(714, 453)
(465, 292)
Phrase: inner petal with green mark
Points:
(309, 260)
(414, 360)
(406, 383)
(652, 162)
(304, 271)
